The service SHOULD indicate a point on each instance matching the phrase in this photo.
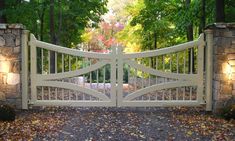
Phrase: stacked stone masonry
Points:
(223, 46)
(10, 52)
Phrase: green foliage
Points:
(71, 17)
(155, 18)
(78, 15)
(229, 11)
(229, 112)
(7, 112)
(164, 22)
(103, 75)
(22, 12)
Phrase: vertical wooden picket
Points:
(33, 68)
(25, 64)
(113, 75)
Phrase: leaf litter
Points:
(94, 124)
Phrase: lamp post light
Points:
(230, 69)
(4, 68)
(7, 77)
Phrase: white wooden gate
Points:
(69, 85)
(163, 77)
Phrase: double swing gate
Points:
(170, 76)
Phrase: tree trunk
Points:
(190, 38)
(155, 40)
(149, 41)
(41, 17)
(219, 8)
(203, 16)
(2, 7)
(41, 27)
(190, 26)
(190, 32)
(52, 22)
(155, 48)
(52, 35)
(60, 23)
(202, 25)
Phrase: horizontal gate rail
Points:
(69, 51)
(158, 87)
(66, 85)
(163, 51)
(166, 103)
(72, 73)
(161, 73)
(84, 103)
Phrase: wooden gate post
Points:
(209, 69)
(120, 76)
(25, 67)
(113, 74)
(33, 68)
(200, 72)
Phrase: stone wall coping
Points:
(221, 26)
(11, 26)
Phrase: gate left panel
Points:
(62, 76)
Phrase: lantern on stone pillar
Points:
(4, 68)
(230, 70)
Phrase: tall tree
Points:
(203, 16)
(52, 35)
(220, 14)
(190, 38)
(190, 23)
(2, 15)
(52, 22)
(154, 20)
(59, 22)
(41, 14)
(155, 39)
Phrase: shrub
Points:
(229, 112)
(7, 112)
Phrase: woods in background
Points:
(147, 25)
(57, 21)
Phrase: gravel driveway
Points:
(117, 124)
(122, 124)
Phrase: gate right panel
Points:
(170, 76)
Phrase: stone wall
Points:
(223, 79)
(10, 56)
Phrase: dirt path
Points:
(114, 124)
(131, 124)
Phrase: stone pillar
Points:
(223, 83)
(10, 68)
